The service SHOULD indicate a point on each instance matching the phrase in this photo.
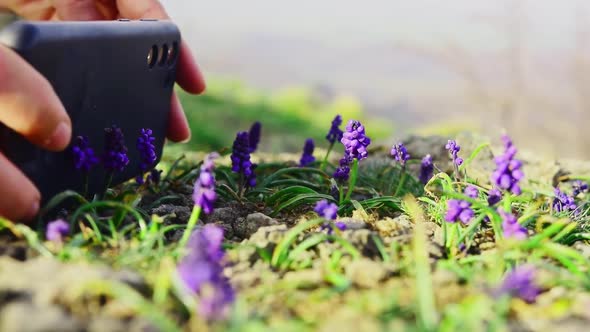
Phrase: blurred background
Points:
(425, 66)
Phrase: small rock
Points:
(174, 214)
(365, 273)
(268, 237)
(346, 319)
(16, 317)
(353, 224)
(364, 240)
(306, 279)
(394, 227)
(244, 228)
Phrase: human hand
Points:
(29, 105)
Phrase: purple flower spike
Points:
(57, 230)
(204, 194)
(355, 140)
(508, 171)
(147, 152)
(562, 202)
(579, 187)
(115, 154)
(471, 192)
(494, 196)
(426, 169)
(326, 210)
(335, 134)
(201, 270)
(240, 158)
(520, 282)
(454, 149)
(511, 227)
(84, 157)
(254, 136)
(342, 173)
(400, 153)
(307, 156)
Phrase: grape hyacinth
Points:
(147, 152)
(329, 211)
(201, 271)
(84, 156)
(204, 194)
(426, 169)
(454, 149)
(240, 158)
(307, 156)
(511, 227)
(508, 171)
(494, 196)
(562, 202)
(459, 209)
(342, 173)
(520, 282)
(254, 136)
(57, 230)
(579, 187)
(355, 140)
(335, 133)
(115, 154)
(400, 153)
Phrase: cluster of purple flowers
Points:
(115, 155)
(494, 196)
(240, 158)
(520, 282)
(579, 187)
(57, 230)
(84, 156)
(204, 191)
(254, 136)
(458, 209)
(329, 211)
(508, 171)
(201, 271)
(307, 155)
(342, 173)
(355, 143)
(511, 227)
(426, 169)
(400, 153)
(335, 133)
(562, 202)
(454, 149)
(147, 153)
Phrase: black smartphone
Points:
(105, 73)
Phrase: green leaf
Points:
(281, 251)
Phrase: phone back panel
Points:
(104, 76)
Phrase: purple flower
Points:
(326, 210)
(562, 202)
(494, 196)
(204, 191)
(335, 134)
(57, 230)
(240, 158)
(355, 140)
(454, 149)
(579, 187)
(201, 270)
(400, 153)
(471, 191)
(511, 227)
(459, 209)
(147, 152)
(307, 156)
(254, 136)
(84, 157)
(520, 283)
(342, 173)
(115, 154)
(508, 170)
(154, 176)
(426, 169)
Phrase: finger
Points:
(178, 129)
(29, 105)
(189, 76)
(20, 198)
(77, 10)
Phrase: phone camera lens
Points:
(152, 56)
(172, 52)
(163, 55)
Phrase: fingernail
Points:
(60, 137)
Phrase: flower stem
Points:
(86, 185)
(192, 221)
(401, 181)
(353, 176)
(325, 161)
